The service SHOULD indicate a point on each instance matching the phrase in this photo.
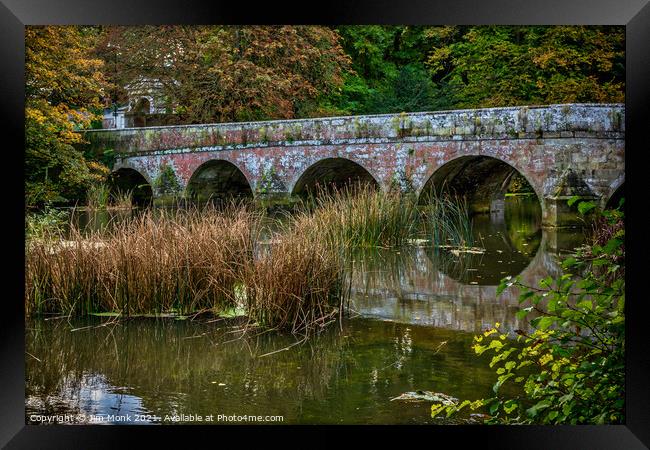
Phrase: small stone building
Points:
(145, 101)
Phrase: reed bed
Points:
(155, 262)
(189, 259)
(122, 199)
(186, 261)
(97, 196)
(361, 216)
(446, 220)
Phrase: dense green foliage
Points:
(571, 368)
(407, 68)
(167, 182)
(222, 73)
(499, 66)
(389, 72)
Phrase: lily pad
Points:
(106, 314)
(471, 250)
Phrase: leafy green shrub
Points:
(45, 224)
(571, 368)
(519, 185)
(167, 182)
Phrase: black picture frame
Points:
(634, 14)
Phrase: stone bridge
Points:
(561, 150)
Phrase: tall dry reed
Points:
(154, 262)
(97, 196)
(122, 199)
(296, 282)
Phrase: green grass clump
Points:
(446, 220)
(98, 196)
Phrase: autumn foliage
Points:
(63, 86)
(229, 73)
(208, 74)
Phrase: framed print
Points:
(412, 215)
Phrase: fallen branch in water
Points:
(285, 348)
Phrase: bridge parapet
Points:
(520, 122)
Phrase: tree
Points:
(63, 85)
(388, 72)
(230, 73)
(514, 65)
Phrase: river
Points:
(413, 315)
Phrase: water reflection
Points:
(87, 398)
(91, 221)
(435, 287)
(182, 367)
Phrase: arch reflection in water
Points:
(408, 288)
(435, 287)
(509, 243)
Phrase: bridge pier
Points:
(558, 214)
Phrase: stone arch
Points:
(126, 178)
(617, 194)
(218, 178)
(329, 173)
(482, 179)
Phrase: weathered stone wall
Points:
(560, 149)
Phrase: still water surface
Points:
(414, 314)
